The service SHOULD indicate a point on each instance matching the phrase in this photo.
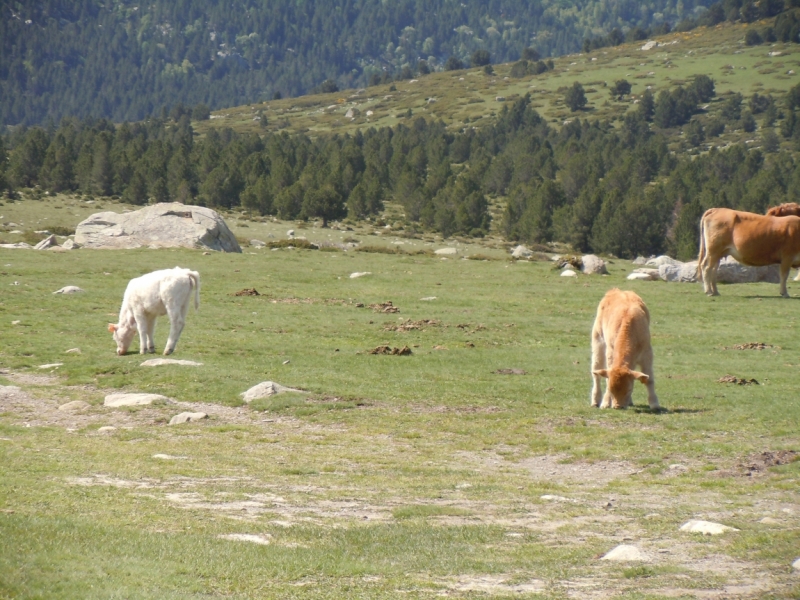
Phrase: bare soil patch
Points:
(737, 380)
(404, 351)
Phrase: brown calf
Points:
(620, 342)
(752, 239)
(785, 210)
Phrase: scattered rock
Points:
(69, 289)
(554, 498)
(187, 417)
(678, 272)
(168, 457)
(46, 243)
(428, 298)
(357, 274)
(51, 366)
(17, 246)
(521, 252)
(384, 307)
(662, 260)
(645, 274)
(511, 372)
(266, 389)
(404, 351)
(117, 400)
(769, 521)
(73, 351)
(106, 429)
(568, 273)
(257, 244)
(70, 245)
(247, 292)
(158, 362)
(164, 225)
(446, 251)
(75, 405)
(706, 527)
(796, 564)
(593, 265)
(626, 552)
(736, 380)
(246, 537)
(290, 233)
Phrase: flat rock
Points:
(187, 417)
(168, 457)
(51, 366)
(554, 498)
(17, 246)
(265, 389)
(69, 289)
(117, 400)
(106, 429)
(635, 276)
(158, 362)
(358, 274)
(769, 521)
(446, 251)
(662, 260)
(74, 405)
(593, 265)
(257, 243)
(428, 299)
(46, 243)
(246, 537)
(624, 553)
(706, 527)
(568, 273)
(73, 351)
(163, 225)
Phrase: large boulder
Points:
(732, 271)
(678, 272)
(165, 225)
(593, 265)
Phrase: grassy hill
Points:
(472, 98)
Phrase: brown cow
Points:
(755, 240)
(785, 210)
(620, 341)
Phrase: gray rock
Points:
(446, 251)
(568, 273)
(46, 243)
(158, 362)
(106, 429)
(645, 274)
(69, 289)
(732, 271)
(70, 245)
(626, 553)
(706, 527)
(796, 564)
(265, 389)
(73, 351)
(187, 417)
(74, 405)
(640, 260)
(17, 246)
(661, 260)
(358, 274)
(521, 252)
(680, 273)
(117, 400)
(257, 243)
(593, 265)
(262, 539)
(165, 225)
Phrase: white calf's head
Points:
(620, 384)
(123, 336)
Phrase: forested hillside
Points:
(129, 59)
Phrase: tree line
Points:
(595, 186)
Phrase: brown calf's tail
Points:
(702, 254)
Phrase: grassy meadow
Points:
(416, 476)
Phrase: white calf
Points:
(166, 292)
(620, 341)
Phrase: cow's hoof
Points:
(167, 352)
(151, 350)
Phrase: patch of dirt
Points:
(493, 585)
(247, 292)
(510, 372)
(757, 464)
(404, 351)
(737, 380)
(384, 307)
(750, 346)
(410, 325)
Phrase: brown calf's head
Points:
(620, 385)
(785, 210)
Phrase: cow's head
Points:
(620, 385)
(785, 210)
(123, 336)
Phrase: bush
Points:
(752, 38)
(575, 98)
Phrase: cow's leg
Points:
(151, 335)
(647, 369)
(709, 269)
(177, 319)
(786, 266)
(142, 325)
(598, 362)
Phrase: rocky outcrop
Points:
(165, 225)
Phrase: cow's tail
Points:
(194, 279)
(702, 255)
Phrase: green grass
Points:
(390, 476)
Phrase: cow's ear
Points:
(112, 328)
(601, 373)
(639, 376)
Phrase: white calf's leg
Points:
(151, 334)
(177, 319)
(142, 326)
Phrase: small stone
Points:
(187, 417)
(356, 275)
(796, 564)
(568, 273)
(69, 289)
(554, 498)
(74, 405)
(521, 252)
(706, 527)
(257, 243)
(624, 553)
(770, 521)
(446, 251)
(428, 298)
(168, 457)
(73, 351)
(51, 366)
(265, 389)
(246, 537)
(117, 400)
(157, 362)
(106, 429)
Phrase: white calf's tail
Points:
(194, 278)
